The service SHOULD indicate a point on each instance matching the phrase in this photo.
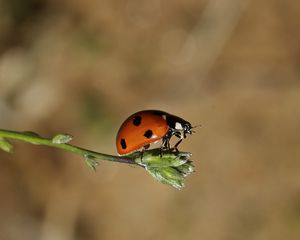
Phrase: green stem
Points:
(38, 140)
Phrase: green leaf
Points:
(62, 138)
(5, 145)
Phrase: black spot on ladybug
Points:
(123, 143)
(148, 134)
(137, 120)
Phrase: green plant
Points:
(168, 167)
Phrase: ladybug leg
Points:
(176, 145)
(165, 146)
(166, 143)
(166, 140)
(143, 150)
(181, 136)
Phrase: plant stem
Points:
(170, 167)
(38, 140)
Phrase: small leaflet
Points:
(62, 138)
(5, 145)
(91, 162)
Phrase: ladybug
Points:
(148, 126)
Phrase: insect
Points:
(148, 126)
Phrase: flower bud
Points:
(187, 168)
(167, 175)
(158, 158)
(168, 167)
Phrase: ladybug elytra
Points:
(148, 126)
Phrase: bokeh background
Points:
(82, 67)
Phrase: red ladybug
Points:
(148, 126)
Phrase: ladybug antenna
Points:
(199, 125)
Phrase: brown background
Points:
(82, 67)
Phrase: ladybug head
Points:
(182, 128)
(187, 128)
(179, 127)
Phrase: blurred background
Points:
(83, 67)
